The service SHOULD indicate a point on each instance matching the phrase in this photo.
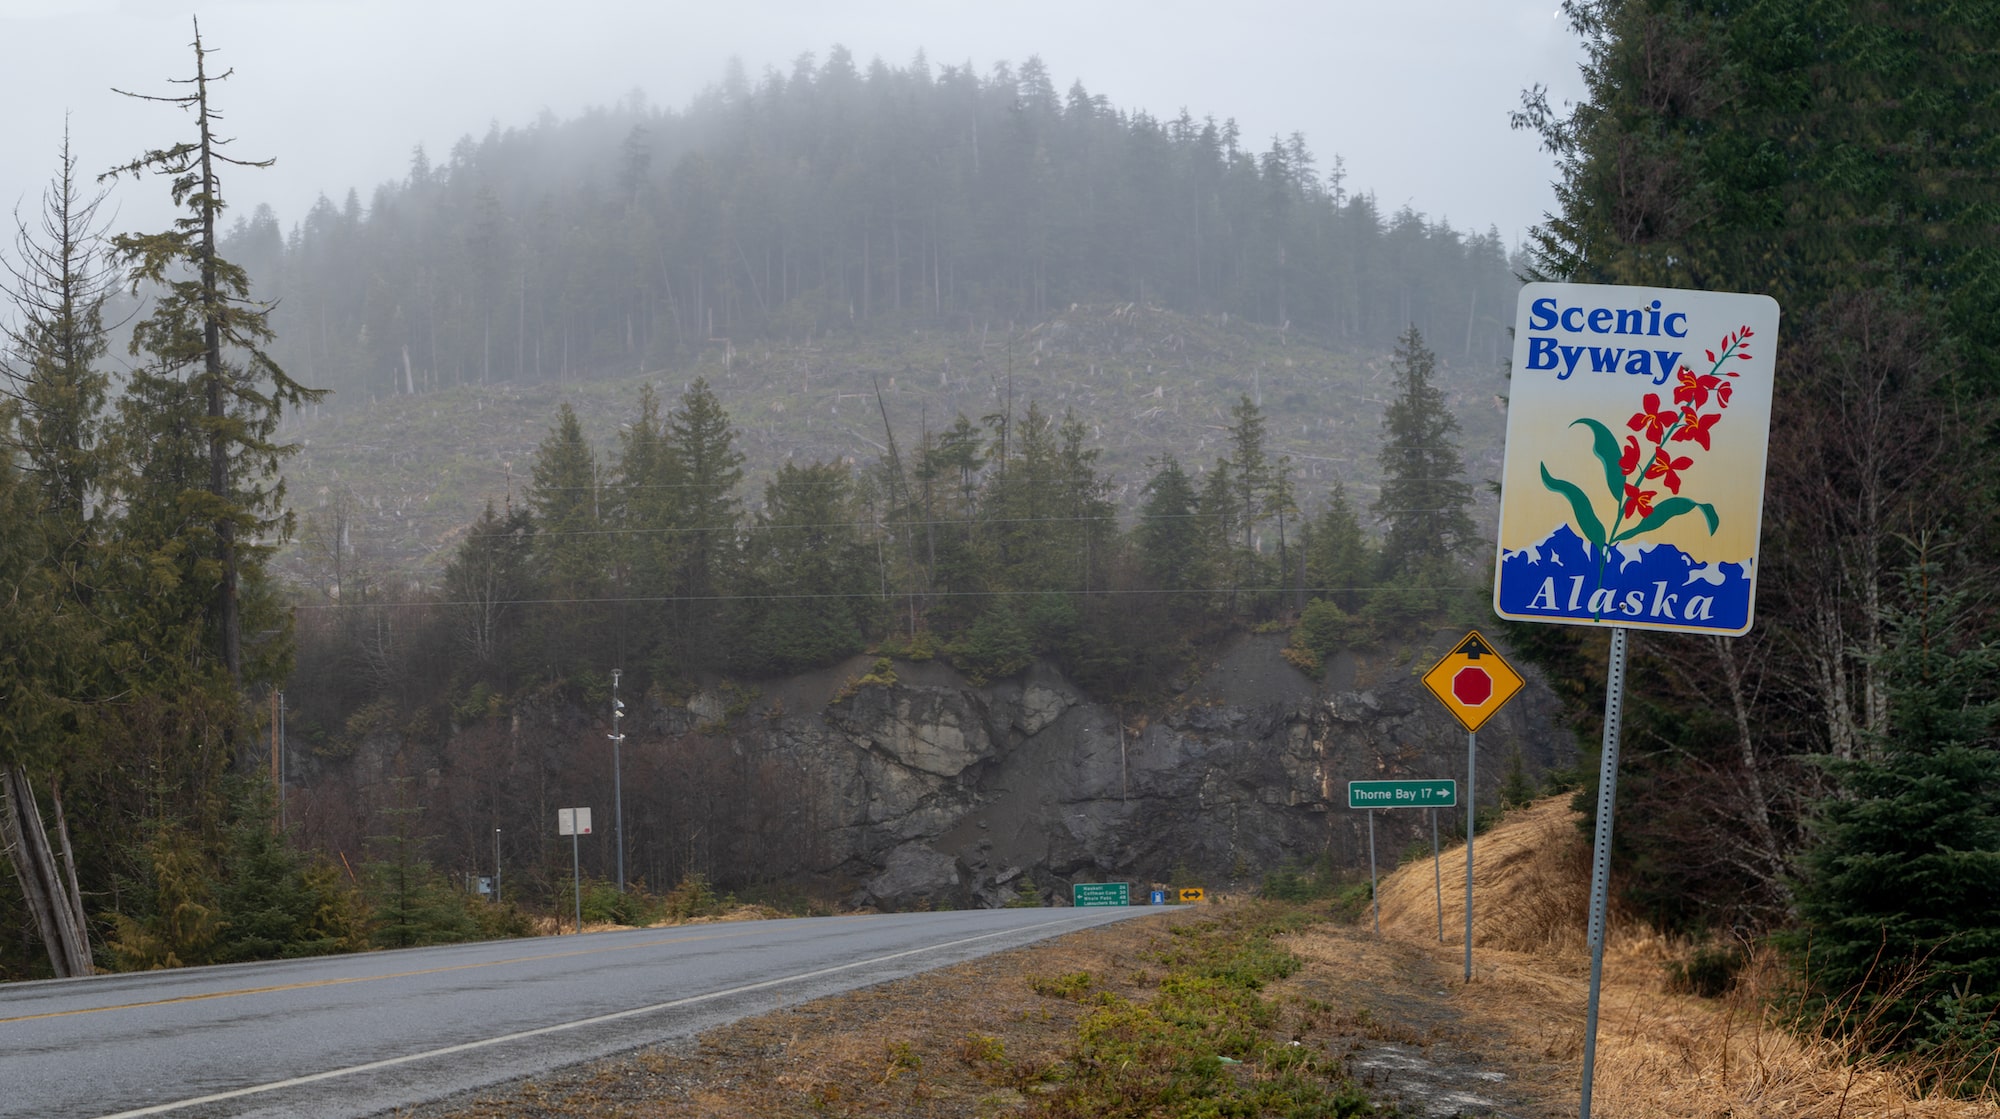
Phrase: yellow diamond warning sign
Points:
(1472, 681)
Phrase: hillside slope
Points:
(407, 473)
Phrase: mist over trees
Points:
(836, 198)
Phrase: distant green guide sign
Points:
(1100, 893)
(1402, 794)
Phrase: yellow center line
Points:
(386, 975)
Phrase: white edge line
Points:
(390, 1062)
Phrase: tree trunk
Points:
(51, 894)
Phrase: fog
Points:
(1413, 97)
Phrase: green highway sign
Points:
(1402, 794)
(1100, 893)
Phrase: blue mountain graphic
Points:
(1637, 584)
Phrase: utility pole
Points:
(496, 866)
(617, 778)
(283, 822)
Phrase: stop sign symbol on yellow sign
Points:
(1472, 686)
(1473, 681)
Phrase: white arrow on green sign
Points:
(1402, 794)
(1100, 893)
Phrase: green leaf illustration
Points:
(1605, 445)
(1666, 511)
(1586, 518)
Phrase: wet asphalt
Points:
(352, 1036)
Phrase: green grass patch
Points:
(1203, 1046)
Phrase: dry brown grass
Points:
(1659, 1054)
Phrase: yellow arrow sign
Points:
(1473, 681)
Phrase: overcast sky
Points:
(1414, 94)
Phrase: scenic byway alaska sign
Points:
(1633, 488)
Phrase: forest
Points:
(833, 199)
(1828, 785)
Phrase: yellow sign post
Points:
(1190, 894)
(1473, 682)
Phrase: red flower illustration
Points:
(1694, 389)
(1653, 419)
(1630, 457)
(1638, 499)
(1695, 427)
(1667, 468)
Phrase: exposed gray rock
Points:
(1028, 778)
(930, 790)
(913, 873)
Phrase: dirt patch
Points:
(1409, 1038)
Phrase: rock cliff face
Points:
(933, 790)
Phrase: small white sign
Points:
(572, 821)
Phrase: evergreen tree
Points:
(1339, 561)
(1024, 506)
(1085, 521)
(808, 572)
(52, 491)
(1424, 495)
(487, 579)
(1899, 901)
(707, 467)
(274, 903)
(1281, 504)
(1216, 512)
(948, 476)
(1251, 478)
(411, 905)
(1169, 538)
(203, 318)
(60, 281)
(1249, 472)
(571, 550)
(646, 513)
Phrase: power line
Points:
(626, 600)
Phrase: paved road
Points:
(357, 1035)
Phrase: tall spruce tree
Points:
(52, 493)
(706, 467)
(571, 551)
(205, 331)
(1424, 493)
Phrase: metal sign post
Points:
(1471, 811)
(1632, 493)
(1600, 855)
(574, 822)
(1437, 874)
(1473, 681)
(1374, 895)
(1419, 793)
